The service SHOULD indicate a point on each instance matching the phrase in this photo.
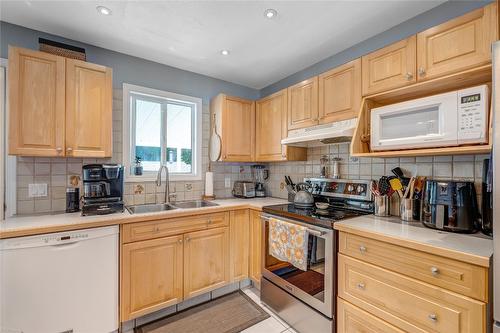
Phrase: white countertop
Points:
(419, 236)
(36, 224)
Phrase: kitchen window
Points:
(161, 128)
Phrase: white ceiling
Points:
(190, 35)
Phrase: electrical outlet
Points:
(37, 190)
(188, 187)
(227, 182)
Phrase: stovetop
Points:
(321, 217)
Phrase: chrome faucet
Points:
(167, 181)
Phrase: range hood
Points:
(340, 131)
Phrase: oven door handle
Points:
(316, 233)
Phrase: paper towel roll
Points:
(209, 184)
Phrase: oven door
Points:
(315, 286)
(424, 122)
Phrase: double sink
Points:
(151, 208)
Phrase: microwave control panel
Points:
(472, 115)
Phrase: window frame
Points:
(128, 139)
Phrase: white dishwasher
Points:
(61, 282)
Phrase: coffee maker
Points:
(260, 174)
(102, 189)
(450, 206)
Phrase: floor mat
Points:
(227, 314)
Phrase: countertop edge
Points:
(416, 245)
(109, 220)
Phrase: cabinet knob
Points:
(59, 149)
(409, 76)
(187, 239)
(434, 271)
(180, 241)
(362, 249)
(361, 286)
(421, 71)
(433, 317)
(69, 149)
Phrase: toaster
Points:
(244, 189)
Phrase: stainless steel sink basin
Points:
(194, 204)
(149, 208)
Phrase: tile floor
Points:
(270, 325)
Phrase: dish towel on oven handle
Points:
(288, 242)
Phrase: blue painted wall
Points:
(435, 16)
(129, 69)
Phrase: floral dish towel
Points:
(288, 242)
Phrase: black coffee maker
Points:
(102, 189)
(451, 206)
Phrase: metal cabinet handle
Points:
(434, 271)
(361, 286)
(409, 76)
(362, 249)
(433, 317)
(421, 71)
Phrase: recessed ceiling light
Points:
(224, 52)
(270, 13)
(103, 10)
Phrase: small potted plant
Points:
(138, 166)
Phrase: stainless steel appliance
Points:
(260, 174)
(102, 189)
(244, 189)
(306, 299)
(449, 119)
(450, 206)
(496, 185)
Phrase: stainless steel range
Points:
(305, 299)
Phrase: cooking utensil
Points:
(215, 143)
(374, 188)
(383, 185)
(303, 198)
(408, 188)
(419, 187)
(398, 172)
(397, 186)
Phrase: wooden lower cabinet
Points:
(206, 261)
(351, 319)
(151, 273)
(255, 248)
(239, 251)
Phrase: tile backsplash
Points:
(56, 172)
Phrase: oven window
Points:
(420, 122)
(311, 281)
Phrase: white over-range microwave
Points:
(450, 119)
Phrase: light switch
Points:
(227, 182)
(37, 190)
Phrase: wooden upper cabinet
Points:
(235, 123)
(151, 275)
(271, 127)
(206, 261)
(88, 109)
(458, 44)
(36, 103)
(340, 92)
(303, 104)
(390, 67)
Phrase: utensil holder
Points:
(382, 205)
(410, 210)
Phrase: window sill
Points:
(152, 178)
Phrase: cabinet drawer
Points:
(407, 303)
(463, 278)
(160, 228)
(352, 319)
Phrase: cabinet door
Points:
(390, 67)
(89, 130)
(271, 127)
(303, 104)
(238, 132)
(206, 261)
(151, 275)
(340, 93)
(458, 44)
(239, 229)
(255, 248)
(36, 103)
